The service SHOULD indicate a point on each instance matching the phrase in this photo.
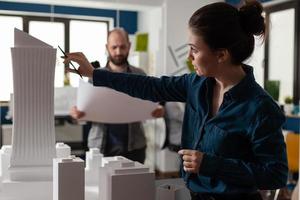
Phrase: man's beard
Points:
(119, 60)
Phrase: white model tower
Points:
(33, 142)
(68, 178)
(123, 179)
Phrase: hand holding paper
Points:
(101, 104)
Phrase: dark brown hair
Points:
(223, 26)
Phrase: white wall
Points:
(151, 22)
(178, 14)
(167, 26)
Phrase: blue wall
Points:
(128, 19)
(238, 2)
(292, 124)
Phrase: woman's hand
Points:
(191, 160)
(85, 67)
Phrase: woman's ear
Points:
(223, 55)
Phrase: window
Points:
(281, 50)
(53, 34)
(88, 36)
(7, 25)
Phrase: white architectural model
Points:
(62, 150)
(123, 179)
(29, 165)
(68, 179)
(170, 192)
(5, 153)
(93, 159)
(28, 174)
(33, 124)
(23, 190)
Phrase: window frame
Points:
(296, 69)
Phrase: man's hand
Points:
(191, 160)
(75, 113)
(158, 112)
(85, 67)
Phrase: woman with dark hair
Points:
(232, 143)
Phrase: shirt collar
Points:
(241, 89)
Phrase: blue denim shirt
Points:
(243, 145)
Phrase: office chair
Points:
(292, 146)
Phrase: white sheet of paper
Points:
(105, 105)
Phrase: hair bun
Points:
(251, 18)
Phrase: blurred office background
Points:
(158, 33)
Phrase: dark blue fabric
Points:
(243, 145)
(239, 2)
(117, 139)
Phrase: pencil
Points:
(70, 61)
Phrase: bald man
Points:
(127, 140)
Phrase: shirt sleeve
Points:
(268, 167)
(144, 87)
